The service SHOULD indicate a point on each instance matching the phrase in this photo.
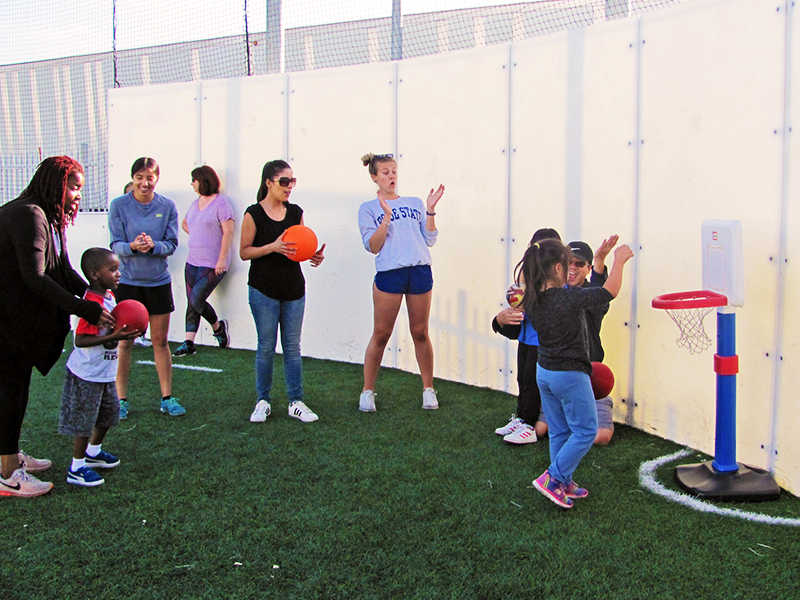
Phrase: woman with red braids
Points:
(40, 290)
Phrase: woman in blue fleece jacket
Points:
(144, 232)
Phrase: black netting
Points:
(59, 58)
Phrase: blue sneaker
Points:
(172, 408)
(123, 409)
(84, 476)
(103, 460)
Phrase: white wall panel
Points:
(607, 201)
(785, 454)
(711, 100)
(335, 117)
(453, 129)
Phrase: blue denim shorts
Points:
(604, 418)
(405, 280)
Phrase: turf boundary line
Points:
(174, 366)
(647, 478)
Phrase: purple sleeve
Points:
(225, 210)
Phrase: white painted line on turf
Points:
(647, 478)
(174, 366)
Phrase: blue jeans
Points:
(568, 402)
(268, 315)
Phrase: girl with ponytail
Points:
(558, 314)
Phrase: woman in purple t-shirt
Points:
(209, 223)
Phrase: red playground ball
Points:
(602, 380)
(131, 313)
(305, 242)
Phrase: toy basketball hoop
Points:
(688, 309)
(723, 281)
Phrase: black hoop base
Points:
(748, 484)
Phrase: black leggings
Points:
(15, 385)
(529, 401)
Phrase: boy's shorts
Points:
(157, 300)
(604, 419)
(86, 405)
(405, 280)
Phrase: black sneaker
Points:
(222, 336)
(184, 350)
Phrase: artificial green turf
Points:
(401, 503)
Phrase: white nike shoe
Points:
(23, 484)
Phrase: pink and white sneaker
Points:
(522, 435)
(513, 423)
(552, 490)
(34, 465)
(23, 484)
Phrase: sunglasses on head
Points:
(286, 181)
(381, 157)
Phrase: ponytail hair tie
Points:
(536, 244)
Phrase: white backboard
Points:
(723, 263)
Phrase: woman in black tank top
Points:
(276, 287)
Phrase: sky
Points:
(36, 30)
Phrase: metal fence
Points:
(58, 106)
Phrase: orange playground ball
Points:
(131, 313)
(305, 242)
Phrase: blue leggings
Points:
(200, 282)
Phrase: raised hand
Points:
(387, 210)
(605, 248)
(434, 197)
(623, 254)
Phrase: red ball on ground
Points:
(305, 242)
(602, 380)
(131, 313)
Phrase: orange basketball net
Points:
(688, 309)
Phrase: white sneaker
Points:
(521, 435)
(299, 410)
(143, 341)
(513, 423)
(260, 412)
(367, 401)
(23, 484)
(429, 401)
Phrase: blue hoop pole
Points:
(725, 440)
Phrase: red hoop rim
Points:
(698, 299)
